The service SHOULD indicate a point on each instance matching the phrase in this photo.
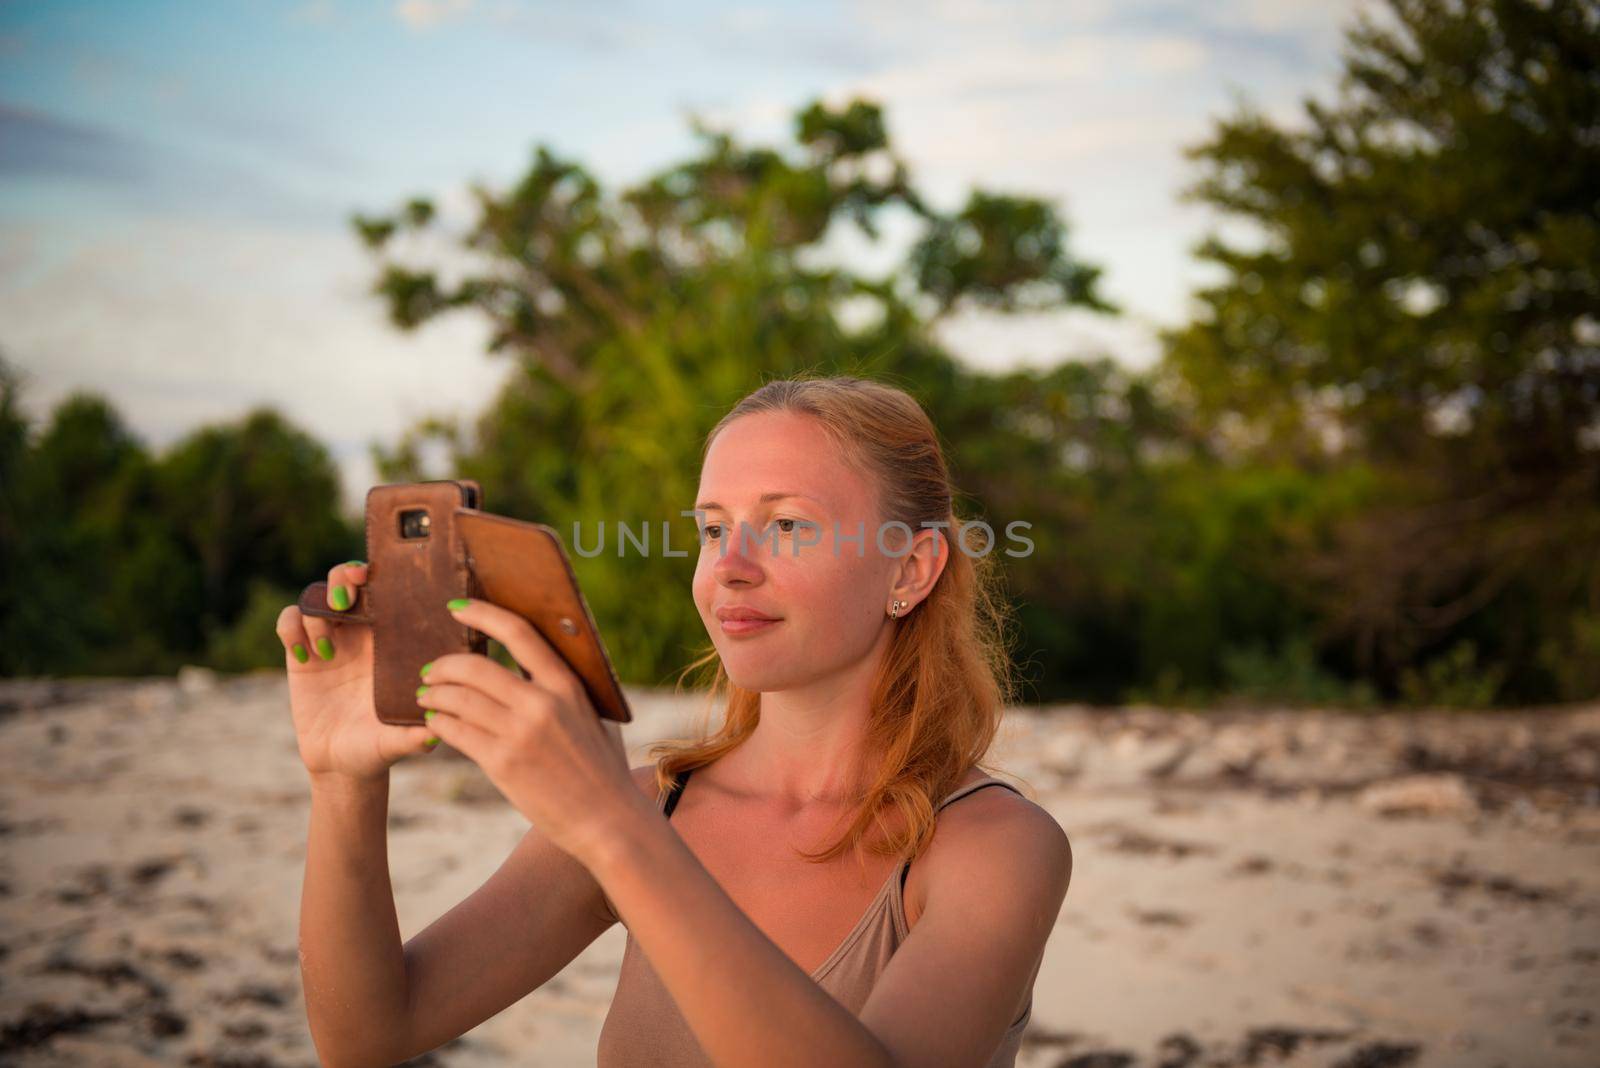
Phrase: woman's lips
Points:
(747, 626)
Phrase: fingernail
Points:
(458, 604)
(425, 667)
(355, 563)
(341, 598)
(300, 653)
(325, 648)
(429, 714)
(431, 742)
(421, 690)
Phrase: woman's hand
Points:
(330, 689)
(538, 739)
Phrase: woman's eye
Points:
(713, 531)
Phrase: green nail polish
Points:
(458, 604)
(325, 648)
(300, 653)
(341, 598)
(429, 714)
(425, 667)
(355, 563)
(421, 690)
(431, 742)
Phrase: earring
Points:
(894, 613)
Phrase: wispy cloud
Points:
(145, 108)
(602, 29)
(33, 144)
(182, 323)
(313, 13)
(38, 148)
(426, 14)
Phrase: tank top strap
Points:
(674, 792)
(962, 791)
(955, 795)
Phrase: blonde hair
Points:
(947, 676)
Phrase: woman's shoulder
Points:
(996, 810)
(995, 837)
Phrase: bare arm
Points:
(351, 964)
(371, 1000)
(995, 886)
(944, 1000)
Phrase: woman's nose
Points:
(738, 560)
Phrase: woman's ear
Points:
(921, 567)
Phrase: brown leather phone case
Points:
(459, 551)
(416, 562)
(523, 567)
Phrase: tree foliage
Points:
(1420, 293)
(634, 320)
(1368, 470)
(113, 561)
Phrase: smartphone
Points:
(430, 542)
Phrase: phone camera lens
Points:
(414, 523)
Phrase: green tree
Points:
(636, 320)
(18, 534)
(250, 502)
(113, 562)
(1420, 292)
(87, 547)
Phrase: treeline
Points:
(1367, 471)
(114, 561)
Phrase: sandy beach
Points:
(1250, 888)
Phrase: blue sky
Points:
(175, 179)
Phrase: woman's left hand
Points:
(539, 739)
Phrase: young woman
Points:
(822, 880)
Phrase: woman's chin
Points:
(760, 677)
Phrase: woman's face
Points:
(828, 596)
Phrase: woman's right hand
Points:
(330, 692)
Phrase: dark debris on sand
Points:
(42, 1021)
(1258, 1046)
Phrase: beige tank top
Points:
(644, 1027)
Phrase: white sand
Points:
(1238, 895)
